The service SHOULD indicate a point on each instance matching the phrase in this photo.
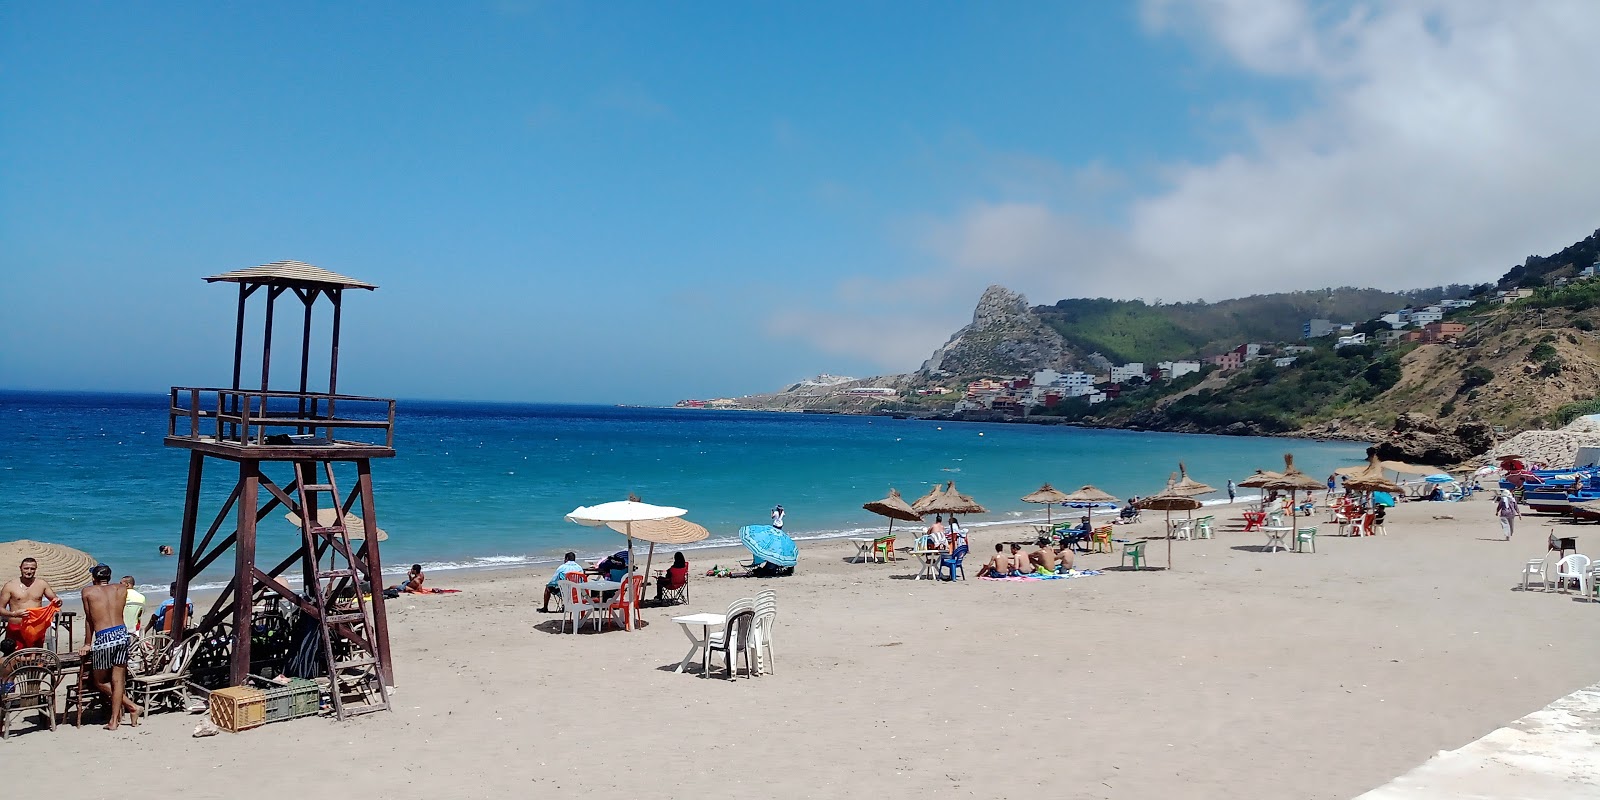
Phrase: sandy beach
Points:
(1238, 674)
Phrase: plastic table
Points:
(1275, 536)
(863, 548)
(598, 587)
(930, 563)
(697, 644)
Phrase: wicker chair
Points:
(28, 681)
(169, 685)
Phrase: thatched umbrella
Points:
(1047, 496)
(354, 526)
(65, 568)
(1169, 502)
(948, 501)
(1293, 480)
(1259, 479)
(1187, 485)
(1089, 494)
(1370, 476)
(894, 507)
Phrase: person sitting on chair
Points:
(159, 620)
(676, 578)
(552, 589)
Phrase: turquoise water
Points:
(479, 485)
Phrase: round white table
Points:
(697, 644)
(1275, 536)
(930, 563)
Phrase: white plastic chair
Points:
(580, 604)
(1180, 529)
(1534, 567)
(1573, 567)
(761, 638)
(726, 640)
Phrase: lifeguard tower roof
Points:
(290, 272)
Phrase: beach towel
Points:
(30, 630)
(1038, 577)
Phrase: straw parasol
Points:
(672, 530)
(1169, 501)
(894, 507)
(1089, 494)
(1047, 496)
(1293, 480)
(64, 568)
(633, 516)
(1187, 485)
(948, 501)
(354, 526)
(1370, 477)
(1408, 469)
(1259, 479)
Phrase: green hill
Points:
(1539, 271)
(1132, 330)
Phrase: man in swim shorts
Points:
(1044, 557)
(103, 604)
(23, 606)
(1000, 565)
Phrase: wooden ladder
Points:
(362, 670)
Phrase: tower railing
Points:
(252, 417)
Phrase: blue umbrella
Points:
(771, 545)
(1383, 499)
(1439, 479)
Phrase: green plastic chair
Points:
(1304, 537)
(1135, 549)
(883, 548)
(1204, 528)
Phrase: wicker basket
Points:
(238, 708)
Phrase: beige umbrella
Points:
(354, 526)
(1169, 502)
(1187, 485)
(1293, 480)
(1408, 469)
(1370, 477)
(631, 514)
(1259, 479)
(1047, 496)
(65, 568)
(894, 507)
(1089, 494)
(672, 530)
(948, 501)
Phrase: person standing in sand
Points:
(23, 607)
(1230, 490)
(103, 606)
(133, 612)
(777, 517)
(1505, 507)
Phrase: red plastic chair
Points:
(627, 603)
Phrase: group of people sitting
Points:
(1046, 559)
(615, 567)
(942, 536)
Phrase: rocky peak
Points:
(1005, 338)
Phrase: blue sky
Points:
(636, 202)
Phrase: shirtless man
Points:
(17, 598)
(102, 609)
(1000, 566)
(1044, 556)
(1024, 565)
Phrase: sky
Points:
(634, 202)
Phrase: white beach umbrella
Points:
(625, 513)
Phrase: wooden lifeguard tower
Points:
(288, 448)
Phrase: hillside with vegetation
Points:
(1133, 330)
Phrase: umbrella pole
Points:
(637, 601)
(1169, 539)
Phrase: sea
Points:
(487, 485)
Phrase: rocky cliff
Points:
(1006, 337)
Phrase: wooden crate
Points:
(238, 708)
(296, 698)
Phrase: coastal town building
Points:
(1172, 370)
(1423, 316)
(1226, 361)
(1284, 361)
(1295, 349)
(871, 391)
(1512, 295)
(1437, 332)
(1451, 305)
(1132, 369)
(1316, 329)
(1352, 339)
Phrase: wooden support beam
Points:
(191, 514)
(369, 551)
(216, 524)
(244, 568)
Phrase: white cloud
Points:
(1443, 142)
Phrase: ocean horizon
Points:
(487, 485)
